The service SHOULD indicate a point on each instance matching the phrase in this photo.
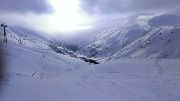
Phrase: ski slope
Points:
(36, 73)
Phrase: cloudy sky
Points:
(66, 16)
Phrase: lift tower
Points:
(4, 27)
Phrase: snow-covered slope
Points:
(109, 42)
(159, 40)
(34, 74)
(24, 37)
(25, 32)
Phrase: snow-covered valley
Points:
(34, 72)
(135, 65)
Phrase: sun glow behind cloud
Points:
(67, 17)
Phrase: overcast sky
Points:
(59, 16)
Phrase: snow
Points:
(160, 42)
(106, 42)
(34, 72)
(132, 40)
(62, 78)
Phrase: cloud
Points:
(164, 20)
(24, 6)
(38, 14)
(128, 6)
(33, 14)
(143, 21)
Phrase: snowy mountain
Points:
(109, 42)
(25, 37)
(31, 39)
(124, 41)
(28, 38)
(132, 40)
(36, 72)
(160, 42)
(25, 32)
